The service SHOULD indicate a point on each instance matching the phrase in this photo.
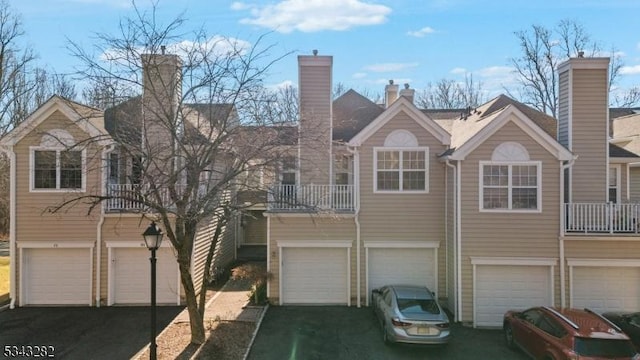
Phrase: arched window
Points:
(401, 165)
(510, 181)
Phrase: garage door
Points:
(500, 288)
(402, 266)
(132, 276)
(606, 288)
(314, 275)
(57, 276)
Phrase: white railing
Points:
(312, 197)
(601, 218)
(127, 197)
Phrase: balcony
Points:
(601, 218)
(123, 197)
(307, 198)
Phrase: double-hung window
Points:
(510, 186)
(401, 169)
(57, 169)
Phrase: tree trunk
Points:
(196, 317)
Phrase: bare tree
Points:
(15, 64)
(542, 50)
(200, 132)
(450, 94)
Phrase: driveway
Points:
(83, 332)
(310, 332)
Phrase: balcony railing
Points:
(599, 218)
(312, 197)
(127, 197)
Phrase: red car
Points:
(560, 333)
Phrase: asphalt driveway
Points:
(83, 332)
(310, 332)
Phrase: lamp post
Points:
(153, 238)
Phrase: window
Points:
(114, 168)
(343, 170)
(288, 174)
(514, 186)
(57, 170)
(614, 183)
(401, 170)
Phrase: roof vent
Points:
(580, 54)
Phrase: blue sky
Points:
(372, 41)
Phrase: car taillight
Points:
(397, 322)
(443, 325)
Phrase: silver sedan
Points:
(410, 314)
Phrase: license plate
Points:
(425, 330)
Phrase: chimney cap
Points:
(390, 82)
(580, 54)
(162, 49)
(315, 52)
(406, 85)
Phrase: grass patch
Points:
(4, 278)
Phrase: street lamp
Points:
(153, 238)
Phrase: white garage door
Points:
(503, 287)
(314, 275)
(58, 276)
(402, 266)
(606, 288)
(132, 276)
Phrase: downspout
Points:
(563, 168)
(456, 239)
(12, 225)
(356, 189)
(103, 190)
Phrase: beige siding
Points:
(255, 228)
(315, 124)
(34, 222)
(589, 133)
(507, 234)
(308, 228)
(405, 216)
(602, 249)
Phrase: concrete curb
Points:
(255, 332)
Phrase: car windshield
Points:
(418, 306)
(608, 348)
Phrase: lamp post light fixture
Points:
(153, 238)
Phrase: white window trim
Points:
(32, 188)
(377, 149)
(538, 165)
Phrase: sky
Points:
(371, 41)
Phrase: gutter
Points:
(456, 239)
(356, 189)
(563, 167)
(12, 225)
(103, 191)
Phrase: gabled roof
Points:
(351, 113)
(401, 105)
(469, 133)
(87, 118)
(616, 151)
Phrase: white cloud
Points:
(390, 67)
(281, 85)
(630, 70)
(458, 71)
(496, 78)
(238, 6)
(314, 15)
(422, 32)
(359, 75)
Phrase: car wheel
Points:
(508, 336)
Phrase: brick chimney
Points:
(583, 126)
(390, 93)
(315, 128)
